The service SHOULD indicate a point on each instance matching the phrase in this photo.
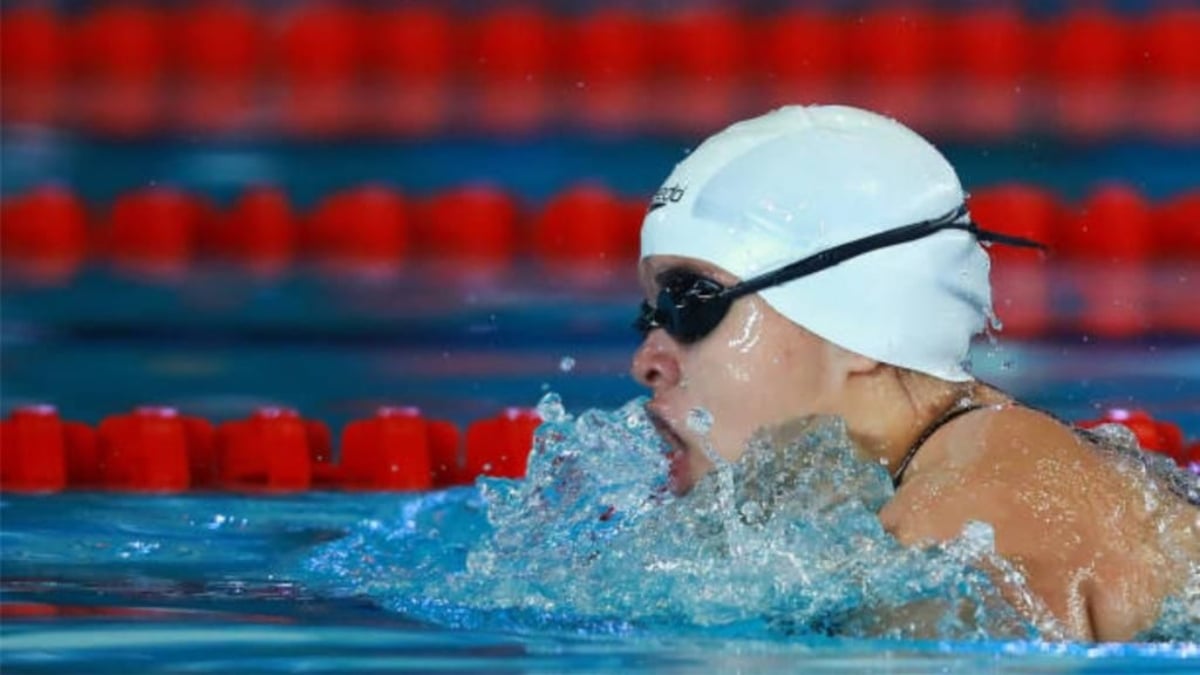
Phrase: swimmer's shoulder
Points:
(1063, 512)
(988, 465)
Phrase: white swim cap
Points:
(771, 190)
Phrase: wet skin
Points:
(1098, 555)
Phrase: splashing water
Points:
(785, 541)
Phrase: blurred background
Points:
(331, 206)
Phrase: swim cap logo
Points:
(666, 195)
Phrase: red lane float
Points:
(476, 224)
(33, 450)
(366, 226)
(513, 67)
(703, 53)
(152, 449)
(123, 52)
(587, 225)
(154, 231)
(609, 58)
(988, 54)
(320, 51)
(394, 450)
(1152, 435)
(34, 57)
(412, 57)
(1111, 235)
(43, 235)
(274, 450)
(803, 53)
(500, 446)
(1167, 41)
(1090, 53)
(1020, 288)
(219, 50)
(895, 62)
(1176, 284)
(259, 231)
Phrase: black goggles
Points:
(690, 305)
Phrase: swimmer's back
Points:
(1083, 525)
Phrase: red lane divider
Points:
(1020, 284)
(151, 449)
(155, 231)
(341, 66)
(32, 452)
(500, 446)
(44, 234)
(274, 449)
(1152, 435)
(156, 449)
(394, 450)
(477, 224)
(259, 231)
(412, 54)
(34, 60)
(363, 226)
(588, 224)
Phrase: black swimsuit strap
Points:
(950, 415)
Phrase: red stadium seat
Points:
(802, 55)
(1089, 51)
(363, 229)
(703, 56)
(896, 58)
(219, 46)
(121, 49)
(43, 235)
(34, 58)
(609, 61)
(1169, 42)
(413, 55)
(321, 49)
(987, 54)
(476, 224)
(513, 66)
(1020, 288)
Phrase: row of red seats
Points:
(377, 225)
(157, 449)
(701, 67)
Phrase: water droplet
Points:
(566, 364)
(699, 420)
(551, 409)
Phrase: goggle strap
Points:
(837, 255)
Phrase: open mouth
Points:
(680, 471)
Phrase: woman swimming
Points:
(822, 260)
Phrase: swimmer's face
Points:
(755, 369)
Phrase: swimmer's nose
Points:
(655, 363)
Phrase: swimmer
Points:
(822, 260)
